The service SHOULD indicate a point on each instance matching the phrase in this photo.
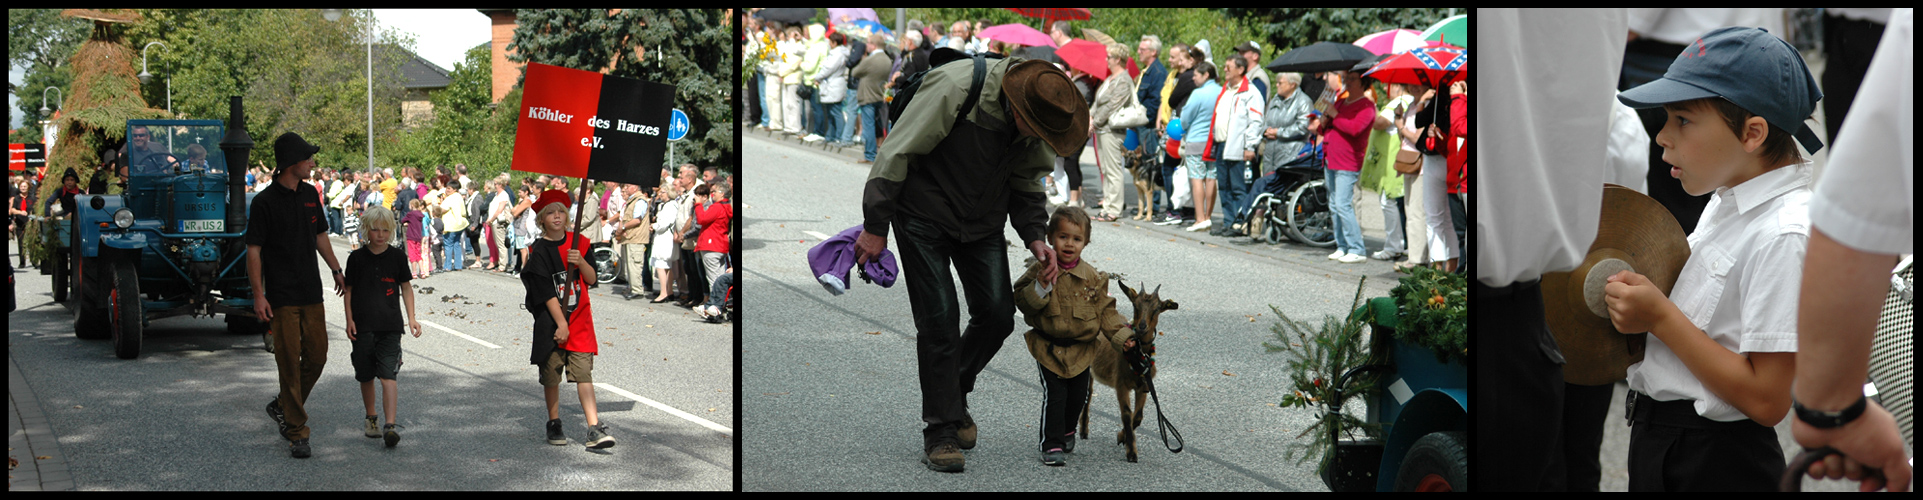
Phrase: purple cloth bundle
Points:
(832, 259)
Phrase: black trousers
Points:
(949, 357)
(1518, 394)
(1062, 402)
(1671, 448)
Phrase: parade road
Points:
(831, 401)
(189, 413)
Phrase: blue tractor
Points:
(171, 244)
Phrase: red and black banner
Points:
(588, 125)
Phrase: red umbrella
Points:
(1084, 55)
(1047, 15)
(1434, 66)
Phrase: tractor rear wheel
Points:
(124, 305)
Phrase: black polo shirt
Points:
(377, 282)
(284, 222)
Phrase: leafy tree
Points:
(1288, 28)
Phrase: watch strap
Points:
(1828, 419)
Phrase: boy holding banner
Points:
(563, 321)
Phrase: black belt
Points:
(1678, 413)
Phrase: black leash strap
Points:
(1141, 362)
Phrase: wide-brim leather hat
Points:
(290, 148)
(1048, 101)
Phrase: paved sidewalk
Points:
(31, 441)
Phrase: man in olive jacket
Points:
(947, 185)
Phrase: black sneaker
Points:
(555, 437)
(392, 434)
(279, 417)
(598, 437)
(301, 450)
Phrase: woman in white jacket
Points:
(664, 253)
(831, 81)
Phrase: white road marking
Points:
(671, 410)
(817, 236)
(458, 334)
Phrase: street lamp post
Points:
(374, 28)
(146, 77)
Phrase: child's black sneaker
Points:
(598, 437)
(393, 434)
(1053, 458)
(555, 437)
(301, 450)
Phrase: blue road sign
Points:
(677, 126)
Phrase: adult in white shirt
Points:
(1863, 212)
(1540, 215)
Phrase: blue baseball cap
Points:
(1746, 66)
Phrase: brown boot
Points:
(944, 457)
(965, 433)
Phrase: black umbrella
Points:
(1319, 56)
(787, 15)
(1042, 53)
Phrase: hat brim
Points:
(1662, 91)
(1018, 82)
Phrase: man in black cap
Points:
(284, 229)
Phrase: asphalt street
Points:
(188, 414)
(829, 390)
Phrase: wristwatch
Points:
(1829, 419)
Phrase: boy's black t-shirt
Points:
(284, 222)
(377, 281)
(542, 277)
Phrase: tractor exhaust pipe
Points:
(237, 145)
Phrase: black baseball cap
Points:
(289, 149)
(1746, 66)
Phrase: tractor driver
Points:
(144, 155)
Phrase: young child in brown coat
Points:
(1070, 320)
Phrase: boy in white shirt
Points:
(1715, 379)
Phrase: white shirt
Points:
(1740, 285)
(1866, 199)
(1554, 72)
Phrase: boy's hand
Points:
(350, 329)
(1635, 304)
(416, 326)
(561, 334)
(574, 256)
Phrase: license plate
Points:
(203, 226)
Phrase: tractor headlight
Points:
(123, 218)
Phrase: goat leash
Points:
(1141, 358)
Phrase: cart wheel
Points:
(61, 276)
(89, 311)
(1437, 462)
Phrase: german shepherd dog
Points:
(1113, 370)
(1141, 164)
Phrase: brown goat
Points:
(1112, 370)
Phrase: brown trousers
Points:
(300, 351)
